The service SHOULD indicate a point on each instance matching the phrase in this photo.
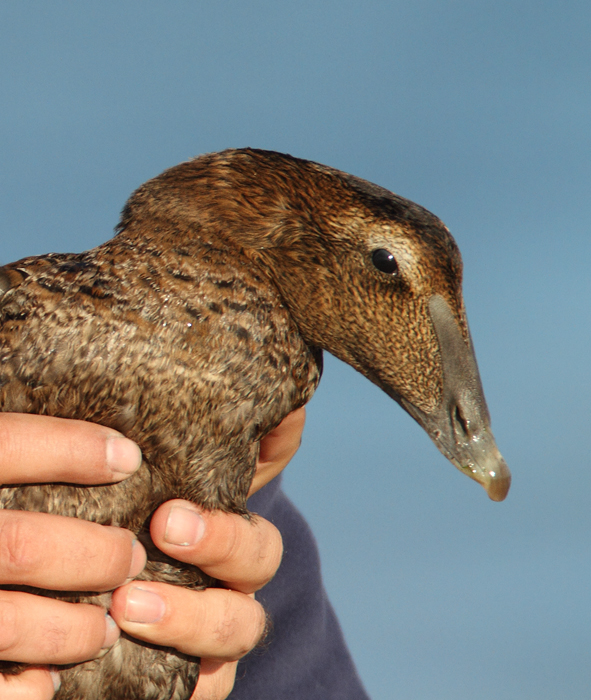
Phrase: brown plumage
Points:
(200, 325)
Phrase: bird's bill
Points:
(460, 425)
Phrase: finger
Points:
(59, 553)
(36, 449)
(278, 447)
(32, 684)
(41, 630)
(216, 680)
(244, 554)
(215, 623)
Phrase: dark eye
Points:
(385, 261)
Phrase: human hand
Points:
(68, 554)
(277, 448)
(219, 624)
(51, 551)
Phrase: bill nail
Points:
(124, 457)
(144, 606)
(184, 527)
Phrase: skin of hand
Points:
(50, 551)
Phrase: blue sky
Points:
(479, 111)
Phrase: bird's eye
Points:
(385, 261)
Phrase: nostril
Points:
(461, 424)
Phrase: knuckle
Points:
(239, 626)
(113, 557)
(8, 626)
(79, 637)
(229, 622)
(259, 627)
(86, 640)
(19, 550)
(267, 551)
(270, 552)
(250, 553)
(53, 636)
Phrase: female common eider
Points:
(201, 325)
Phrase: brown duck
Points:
(201, 324)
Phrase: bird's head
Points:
(369, 276)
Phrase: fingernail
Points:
(144, 606)
(138, 560)
(55, 679)
(184, 527)
(124, 457)
(112, 632)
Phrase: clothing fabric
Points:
(305, 656)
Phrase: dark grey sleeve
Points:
(305, 656)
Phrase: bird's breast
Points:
(195, 359)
